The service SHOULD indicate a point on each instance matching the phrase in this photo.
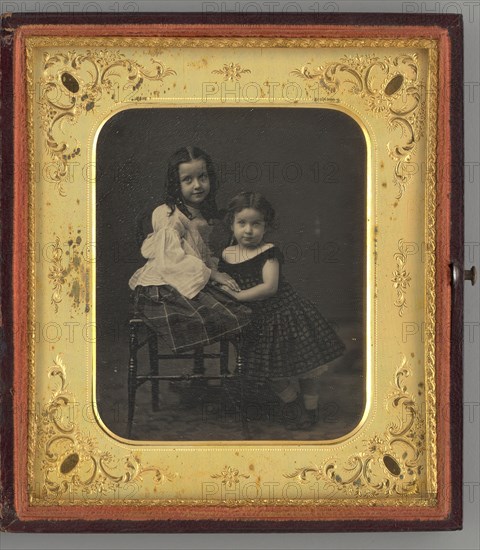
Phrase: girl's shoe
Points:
(297, 417)
(308, 420)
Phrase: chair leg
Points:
(224, 349)
(198, 363)
(198, 366)
(153, 356)
(240, 360)
(132, 375)
(240, 371)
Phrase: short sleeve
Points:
(274, 253)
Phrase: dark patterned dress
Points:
(287, 336)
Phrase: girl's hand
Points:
(262, 291)
(228, 290)
(225, 280)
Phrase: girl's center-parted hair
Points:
(250, 199)
(173, 192)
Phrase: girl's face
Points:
(249, 227)
(194, 182)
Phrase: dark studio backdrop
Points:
(309, 163)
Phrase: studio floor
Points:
(209, 411)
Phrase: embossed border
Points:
(446, 30)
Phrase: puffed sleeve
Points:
(148, 247)
(171, 257)
(185, 272)
(160, 221)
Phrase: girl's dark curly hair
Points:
(249, 199)
(173, 193)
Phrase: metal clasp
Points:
(468, 275)
(471, 274)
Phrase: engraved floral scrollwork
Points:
(74, 84)
(70, 267)
(391, 463)
(231, 71)
(401, 278)
(71, 460)
(57, 274)
(229, 476)
(391, 89)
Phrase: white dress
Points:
(176, 254)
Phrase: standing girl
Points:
(288, 337)
(174, 287)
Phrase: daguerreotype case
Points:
(351, 126)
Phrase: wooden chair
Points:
(141, 335)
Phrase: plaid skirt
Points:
(289, 337)
(189, 323)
